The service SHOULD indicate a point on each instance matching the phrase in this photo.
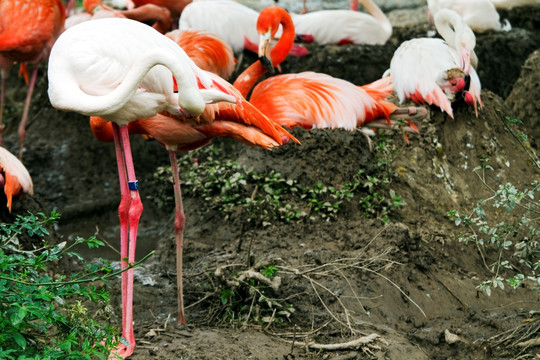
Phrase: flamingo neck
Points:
(249, 77)
(457, 34)
(377, 13)
(284, 45)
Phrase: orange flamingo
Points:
(14, 178)
(108, 67)
(207, 50)
(28, 29)
(240, 121)
(314, 100)
(96, 9)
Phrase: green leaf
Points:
(19, 339)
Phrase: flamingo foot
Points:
(123, 351)
(413, 113)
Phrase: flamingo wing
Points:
(207, 50)
(243, 112)
(315, 100)
(29, 28)
(419, 69)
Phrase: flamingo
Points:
(315, 100)
(480, 15)
(433, 71)
(28, 29)
(14, 177)
(121, 70)
(233, 22)
(207, 50)
(175, 6)
(241, 121)
(96, 9)
(346, 26)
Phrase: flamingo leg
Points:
(24, 120)
(130, 211)
(123, 216)
(179, 226)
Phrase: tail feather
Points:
(380, 90)
(436, 97)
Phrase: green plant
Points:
(269, 197)
(515, 236)
(248, 296)
(45, 315)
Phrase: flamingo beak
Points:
(264, 51)
(465, 57)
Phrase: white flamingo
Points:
(433, 71)
(346, 26)
(122, 70)
(480, 15)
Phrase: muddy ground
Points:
(403, 289)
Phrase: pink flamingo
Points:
(108, 68)
(240, 121)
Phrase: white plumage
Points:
(432, 70)
(232, 21)
(121, 70)
(480, 15)
(345, 26)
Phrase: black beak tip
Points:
(267, 63)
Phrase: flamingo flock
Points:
(161, 68)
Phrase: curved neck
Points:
(449, 25)
(284, 45)
(65, 92)
(249, 77)
(377, 13)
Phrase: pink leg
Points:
(130, 213)
(24, 120)
(179, 225)
(123, 215)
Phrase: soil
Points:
(402, 290)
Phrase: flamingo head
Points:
(268, 21)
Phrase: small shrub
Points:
(44, 316)
(516, 237)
